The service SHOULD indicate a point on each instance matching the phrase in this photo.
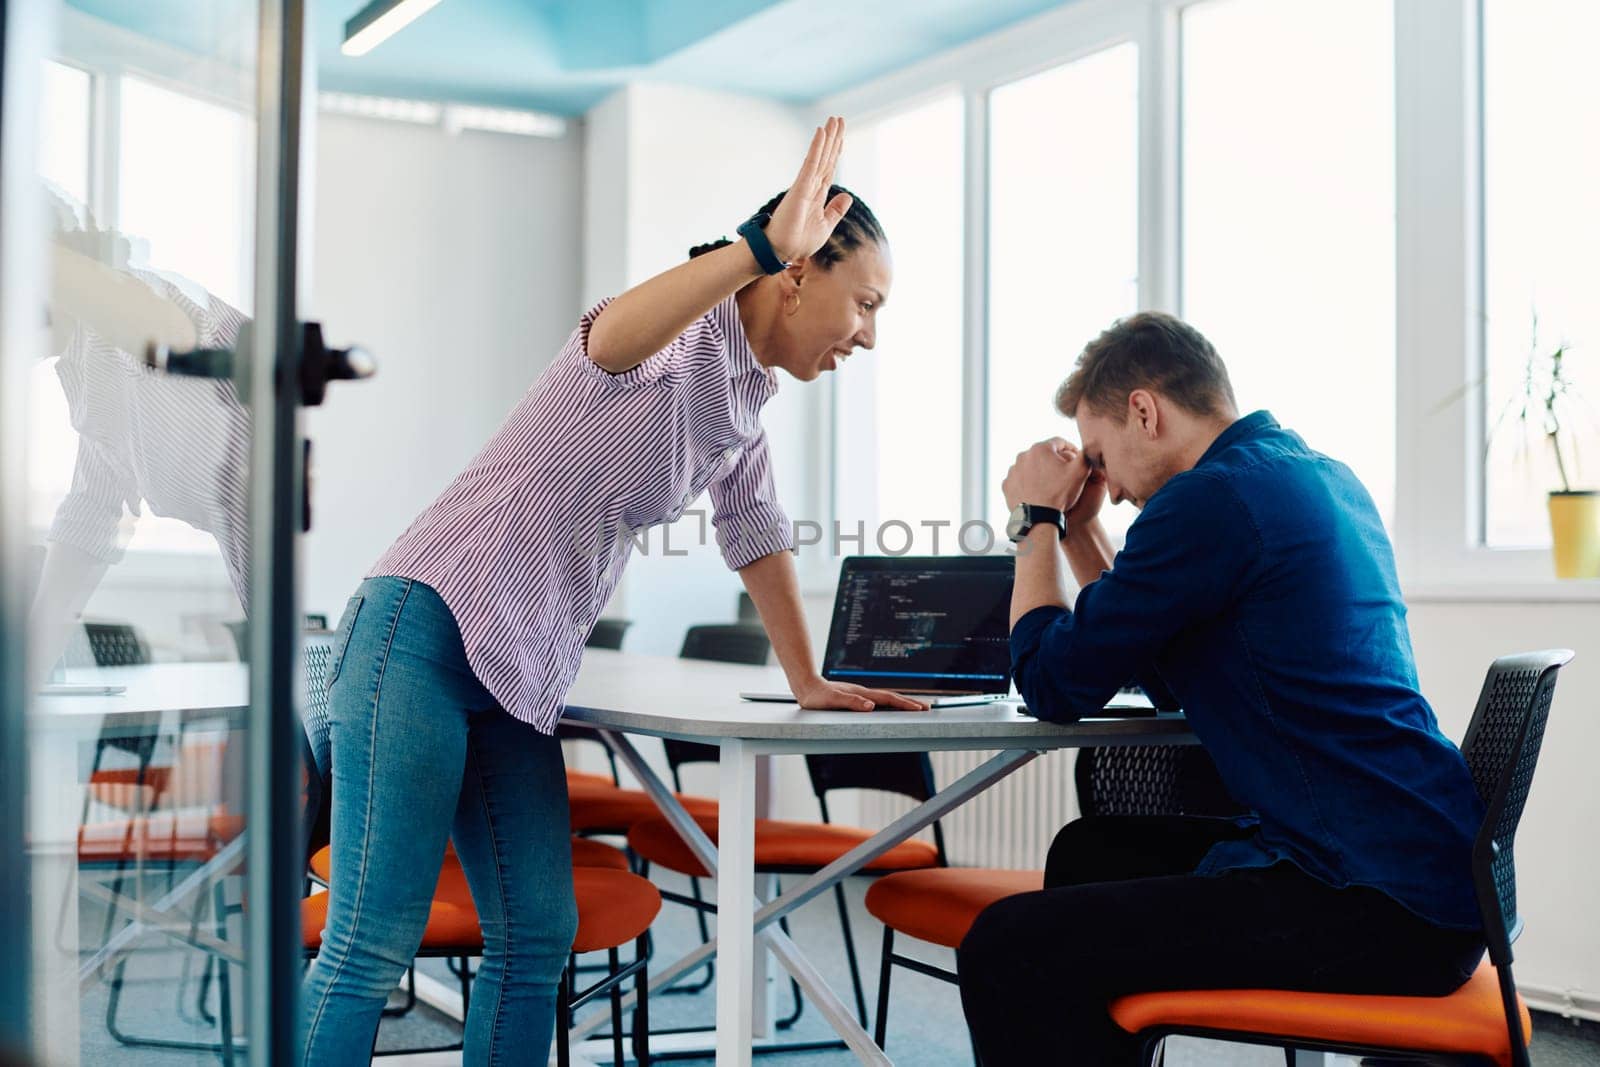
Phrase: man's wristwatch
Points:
(1025, 517)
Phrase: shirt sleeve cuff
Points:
(638, 375)
(1026, 633)
(750, 535)
(90, 530)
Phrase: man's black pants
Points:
(1123, 912)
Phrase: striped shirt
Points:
(528, 543)
(180, 446)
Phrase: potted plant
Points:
(1548, 396)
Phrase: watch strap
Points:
(751, 230)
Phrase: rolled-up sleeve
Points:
(749, 521)
(1185, 559)
(701, 333)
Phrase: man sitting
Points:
(1258, 588)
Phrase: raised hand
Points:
(805, 218)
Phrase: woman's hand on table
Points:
(819, 694)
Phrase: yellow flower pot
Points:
(1575, 533)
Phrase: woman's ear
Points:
(795, 274)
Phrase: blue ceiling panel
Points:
(565, 55)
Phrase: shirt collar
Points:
(741, 357)
(1252, 424)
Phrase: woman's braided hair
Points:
(858, 227)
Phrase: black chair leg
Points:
(563, 1020)
(880, 1032)
(850, 952)
(617, 1055)
(224, 987)
(641, 1009)
(794, 988)
(411, 996)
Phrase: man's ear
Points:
(1146, 413)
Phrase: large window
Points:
(64, 131)
(898, 409)
(1288, 216)
(192, 209)
(1303, 181)
(1063, 242)
(1541, 164)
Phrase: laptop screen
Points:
(922, 622)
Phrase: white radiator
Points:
(1009, 825)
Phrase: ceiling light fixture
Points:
(458, 117)
(379, 21)
(424, 112)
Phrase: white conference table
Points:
(621, 693)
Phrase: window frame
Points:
(1439, 257)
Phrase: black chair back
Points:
(747, 609)
(737, 642)
(909, 774)
(1151, 780)
(721, 643)
(116, 644)
(1501, 748)
(316, 751)
(608, 633)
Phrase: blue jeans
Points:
(422, 754)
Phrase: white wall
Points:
(457, 259)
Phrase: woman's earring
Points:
(791, 303)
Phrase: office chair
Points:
(939, 905)
(1485, 1020)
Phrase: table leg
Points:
(762, 973)
(736, 841)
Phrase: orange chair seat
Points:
(161, 837)
(589, 778)
(614, 907)
(585, 853)
(452, 927)
(1468, 1021)
(939, 904)
(588, 853)
(800, 845)
(597, 808)
(127, 787)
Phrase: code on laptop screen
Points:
(928, 622)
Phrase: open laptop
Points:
(933, 627)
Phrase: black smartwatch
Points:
(1025, 517)
(753, 232)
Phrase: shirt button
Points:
(730, 454)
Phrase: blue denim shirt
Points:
(1260, 589)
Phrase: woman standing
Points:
(457, 650)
